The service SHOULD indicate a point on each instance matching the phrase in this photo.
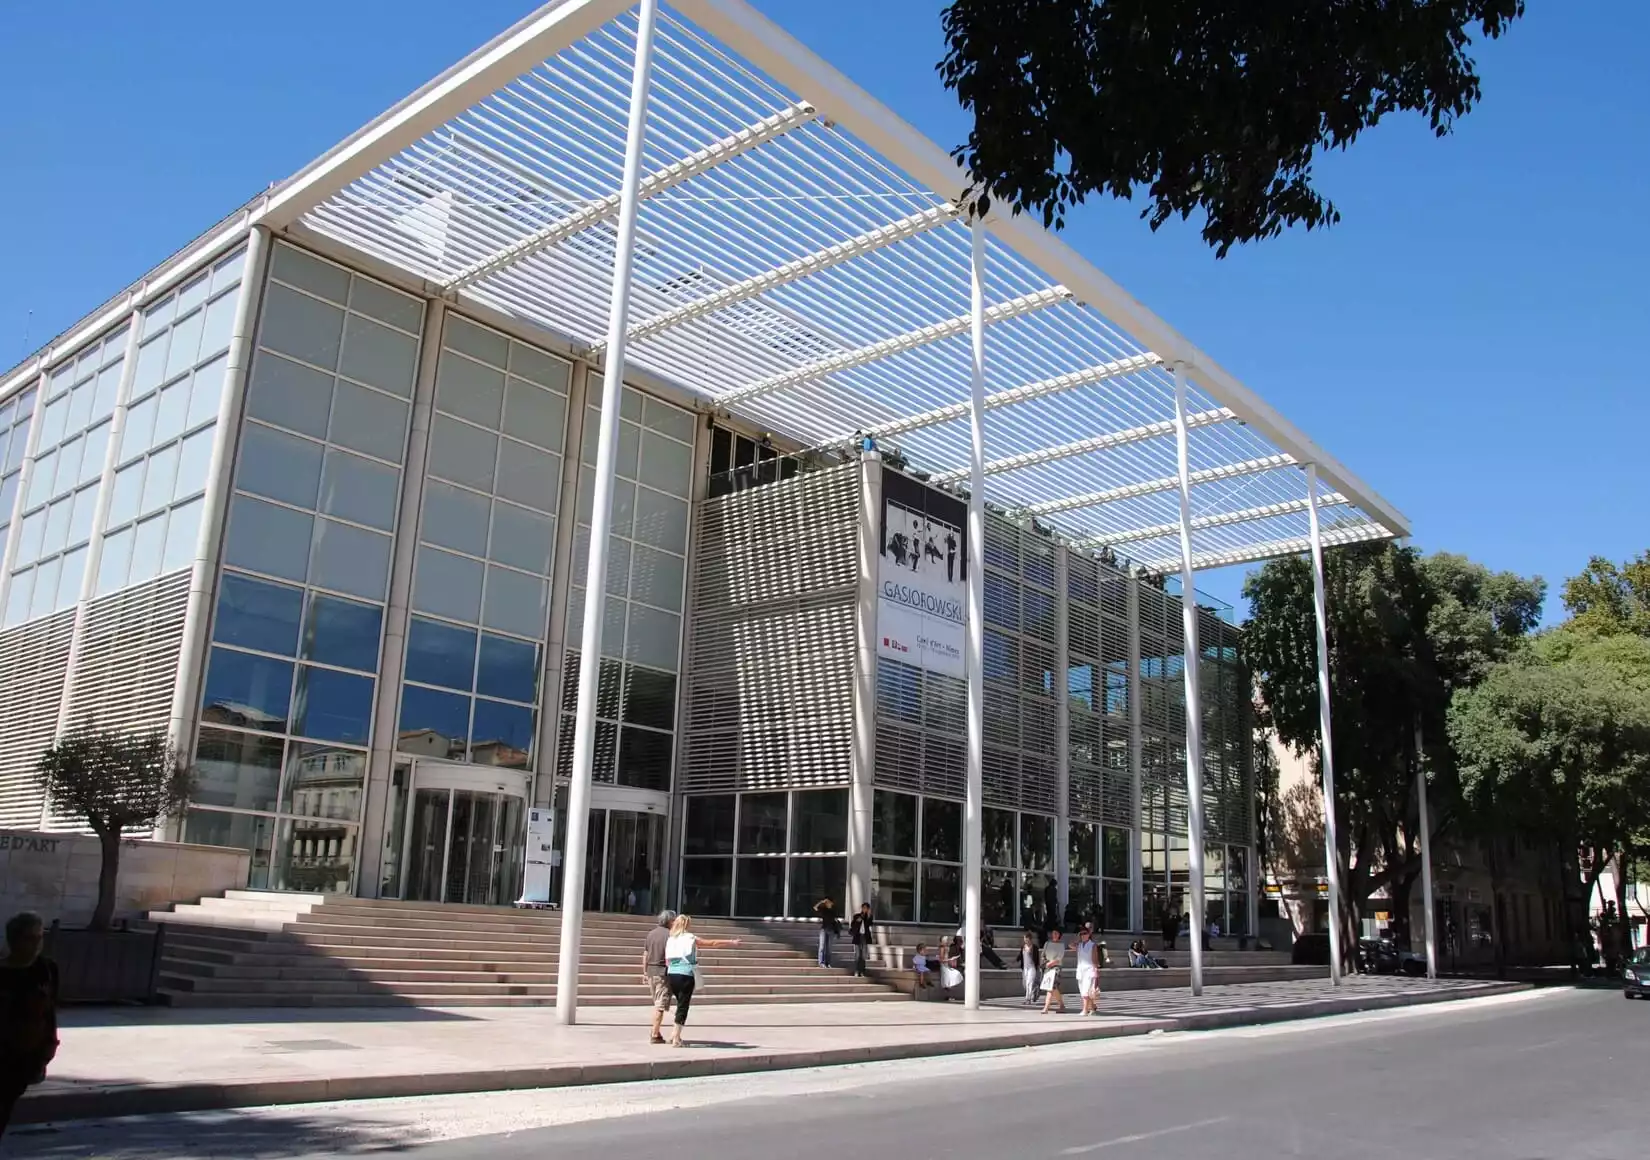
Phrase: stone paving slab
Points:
(128, 1061)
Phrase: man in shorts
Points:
(653, 970)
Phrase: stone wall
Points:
(56, 875)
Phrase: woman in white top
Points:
(1088, 970)
(682, 967)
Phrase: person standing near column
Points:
(830, 926)
(654, 970)
(860, 932)
(28, 1011)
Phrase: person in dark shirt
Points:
(654, 971)
(28, 1011)
(861, 931)
(829, 927)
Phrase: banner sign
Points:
(922, 576)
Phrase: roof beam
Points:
(652, 184)
(1217, 520)
(798, 268)
(1154, 486)
(1272, 549)
(1021, 394)
(911, 340)
(1085, 446)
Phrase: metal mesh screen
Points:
(34, 659)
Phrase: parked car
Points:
(1635, 974)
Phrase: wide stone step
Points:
(256, 1000)
(394, 970)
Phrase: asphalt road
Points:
(1560, 1075)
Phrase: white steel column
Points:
(1062, 727)
(862, 794)
(601, 522)
(1194, 700)
(1331, 843)
(1426, 854)
(1137, 754)
(974, 791)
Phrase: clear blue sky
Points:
(1471, 339)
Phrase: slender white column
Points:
(1426, 854)
(974, 791)
(1194, 700)
(601, 521)
(1062, 726)
(862, 772)
(1331, 843)
(1137, 754)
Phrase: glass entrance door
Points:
(465, 841)
(624, 855)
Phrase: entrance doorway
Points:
(624, 850)
(466, 834)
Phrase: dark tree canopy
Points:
(1212, 105)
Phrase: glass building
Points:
(315, 497)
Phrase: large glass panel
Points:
(315, 856)
(289, 395)
(183, 527)
(653, 637)
(360, 490)
(249, 832)
(455, 518)
(469, 390)
(997, 830)
(894, 885)
(434, 724)
(1081, 855)
(708, 828)
(815, 879)
(997, 897)
(1036, 842)
(645, 759)
(1115, 857)
(521, 538)
(333, 706)
(447, 585)
(241, 770)
(894, 824)
(342, 632)
(377, 355)
(762, 825)
(515, 602)
(318, 277)
(536, 415)
(258, 615)
(502, 734)
(441, 654)
(707, 886)
(462, 453)
(1114, 907)
(270, 539)
(661, 521)
(941, 894)
(324, 781)
(760, 888)
(296, 324)
(649, 698)
(350, 559)
(508, 668)
(369, 421)
(941, 830)
(250, 691)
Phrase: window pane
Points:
(41, 479)
(106, 391)
(361, 490)
(515, 603)
(894, 824)
(206, 392)
(318, 277)
(762, 823)
(666, 464)
(194, 463)
(661, 521)
(96, 450)
(466, 388)
(464, 335)
(447, 585)
(709, 825)
(249, 691)
(507, 669)
(370, 422)
(148, 549)
(324, 781)
(894, 885)
(997, 829)
(298, 325)
(333, 706)
(172, 412)
(455, 518)
(185, 345)
(314, 856)
(127, 491)
(441, 654)
(1115, 856)
(183, 528)
(819, 821)
(522, 538)
(289, 395)
(342, 632)
(80, 406)
(114, 562)
(645, 759)
(942, 830)
(813, 879)
(760, 888)
(57, 526)
(673, 421)
(19, 596)
(657, 577)
(539, 367)
(707, 886)
(1080, 850)
(258, 615)
(241, 770)
(502, 734)
(54, 423)
(375, 354)
(1114, 906)
(219, 324)
(1036, 842)
(536, 415)
(269, 539)
(528, 475)
(386, 305)
(653, 638)
(193, 294)
(280, 466)
(350, 559)
(69, 577)
(462, 453)
(649, 698)
(151, 365)
(68, 465)
(433, 724)
(941, 894)
(31, 535)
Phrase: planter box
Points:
(106, 966)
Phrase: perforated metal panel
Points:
(34, 659)
(770, 669)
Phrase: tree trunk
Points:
(108, 875)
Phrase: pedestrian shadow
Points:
(266, 1133)
(716, 1045)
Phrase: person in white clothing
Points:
(1088, 970)
(682, 967)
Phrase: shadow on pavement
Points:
(131, 1016)
(239, 1133)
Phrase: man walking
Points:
(859, 930)
(1171, 928)
(829, 927)
(654, 971)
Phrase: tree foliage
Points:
(1203, 105)
(1607, 598)
(1405, 632)
(114, 782)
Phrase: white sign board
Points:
(922, 586)
(541, 832)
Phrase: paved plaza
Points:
(124, 1061)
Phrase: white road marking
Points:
(1084, 1149)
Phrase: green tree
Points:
(1607, 598)
(1405, 631)
(1201, 105)
(115, 782)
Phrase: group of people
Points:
(1043, 969)
(672, 971)
(28, 1011)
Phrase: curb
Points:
(152, 1099)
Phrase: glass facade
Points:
(765, 855)
(291, 676)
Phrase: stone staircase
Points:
(259, 949)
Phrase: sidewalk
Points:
(127, 1061)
